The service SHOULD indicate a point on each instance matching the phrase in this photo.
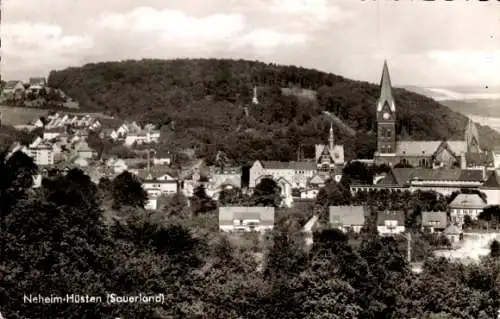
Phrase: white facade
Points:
(296, 177)
(161, 161)
(309, 194)
(387, 230)
(246, 219)
(151, 204)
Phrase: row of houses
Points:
(17, 89)
(132, 133)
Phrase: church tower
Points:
(386, 116)
(472, 138)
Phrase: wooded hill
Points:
(206, 103)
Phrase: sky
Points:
(440, 43)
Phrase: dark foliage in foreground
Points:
(205, 103)
(57, 242)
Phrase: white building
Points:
(466, 205)
(245, 219)
(390, 222)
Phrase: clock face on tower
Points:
(386, 116)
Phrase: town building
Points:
(13, 90)
(390, 222)
(348, 218)
(434, 221)
(466, 205)
(424, 154)
(246, 218)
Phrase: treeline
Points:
(58, 240)
(204, 103)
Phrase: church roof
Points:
(428, 148)
(386, 90)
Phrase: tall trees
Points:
(128, 191)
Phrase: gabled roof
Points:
(288, 165)
(468, 201)
(155, 171)
(383, 216)
(429, 148)
(37, 80)
(317, 179)
(229, 213)
(347, 215)
(386, 90)
(429, 218)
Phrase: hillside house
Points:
(434, 221)
(157, 182)
(348, 218)
(246, 219)
(13, 90)
(390, 222)
(466, 205)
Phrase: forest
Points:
(206, 104)
(71, 236)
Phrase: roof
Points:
(386, 90)
(229, 213)
(347, 215)
(383, 216)
(428, 148)
(402, 175)
(11, 84)
(452, 230)
(289, 165)
(429, 218)
(37, 80)
(468, 201)
(155, 171)
(493, 181)
(337, 153)
(479, 159)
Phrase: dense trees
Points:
(207, 104)
(56, 242)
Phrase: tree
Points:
(175, 205)
(232, 196)
(495, 249)
(266, 193)
(128, 191)
(201, 202)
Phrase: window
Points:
(389, 132)
(389, 149)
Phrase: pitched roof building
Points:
(246, 218)
(348, 217)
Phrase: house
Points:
(157, 182)
(390, 222)
(84, 151)
(295, 173)
(466, 205)
(453, 233)
(434, 221)
(41, 152)
(245, 219)
(348, 218)
(36, 84)
(13, 90)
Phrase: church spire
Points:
(331, 140)
(472, 137)
(386, 90)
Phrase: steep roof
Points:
(429, 218)
(386, 90)
(470, 201)
(428, 148)
(347, 215)
(383, 216)
(288, 165)
(479, 159)
(471, 133)
(229, 213)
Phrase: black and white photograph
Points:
(249, 159)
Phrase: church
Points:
(463, 154)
